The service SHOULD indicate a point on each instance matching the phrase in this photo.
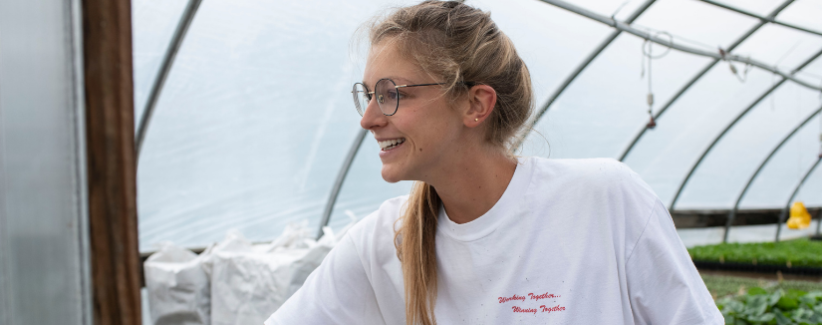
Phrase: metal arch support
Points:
(769, 19)
(679, 47)
(162, 74)
(590, 58)
(731, 125)
(732, 215)
(335, 190)
(698, 76)
(793, 195)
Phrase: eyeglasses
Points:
(387, 93)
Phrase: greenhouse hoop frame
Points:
(165, 68)
(731, 125)
(699, 76)
(619, 26)
(732, 215)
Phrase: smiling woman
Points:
(446, 95)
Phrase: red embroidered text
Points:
(550, 309)
(514, 297)
(524, 310)
(542, 296)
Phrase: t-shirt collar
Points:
(509, 204)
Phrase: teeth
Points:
(388, 144)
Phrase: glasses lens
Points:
(387, 96)
(360, 98)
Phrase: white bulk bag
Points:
(178, 287)
(250, 282)
(233, 282)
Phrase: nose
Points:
(373, 117)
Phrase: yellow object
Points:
(800, 218)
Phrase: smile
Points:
(390, 144)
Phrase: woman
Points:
(484, 237)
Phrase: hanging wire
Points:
(772, 96)
(787, 53)
(799, 146)
(744, 76)
(613, 15)
(647, 52)
(820, 138)
(679, 38)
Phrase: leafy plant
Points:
(799, 252)
(781, 307)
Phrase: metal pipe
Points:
(335, 190)
(698, 76)
(590, 58)
(162, 74)
(732, 124)
(732, 215)
(793, 195)
(669, 43)
(818, 222)
(768, 19)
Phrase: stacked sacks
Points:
(234, 281)
(178, 287)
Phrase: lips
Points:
(390, 143)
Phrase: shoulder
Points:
(592, 173)
(604, 182)
(592, 170)
(377, 229)
(388, 212)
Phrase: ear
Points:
(481, 101)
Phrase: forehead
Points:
(386, 61)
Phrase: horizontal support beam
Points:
(679, 47)
(697, 77)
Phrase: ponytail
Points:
(416, 250)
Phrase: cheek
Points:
(430, 127)
(436, 136)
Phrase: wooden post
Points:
(115, 270)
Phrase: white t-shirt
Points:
(569, 242)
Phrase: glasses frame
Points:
(370, 94)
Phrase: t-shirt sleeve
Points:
(337, 292)
(663, 284)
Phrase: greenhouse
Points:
(215, 159)
(125, 128)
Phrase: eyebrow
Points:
(405, 81)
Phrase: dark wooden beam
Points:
(115, 262)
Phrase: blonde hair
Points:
(462, 46)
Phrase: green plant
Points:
(781, 307)
(799, 252)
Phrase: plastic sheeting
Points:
(255, 118)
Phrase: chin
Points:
(390, 175)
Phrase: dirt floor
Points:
(724, 283)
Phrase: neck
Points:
(471, 185)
